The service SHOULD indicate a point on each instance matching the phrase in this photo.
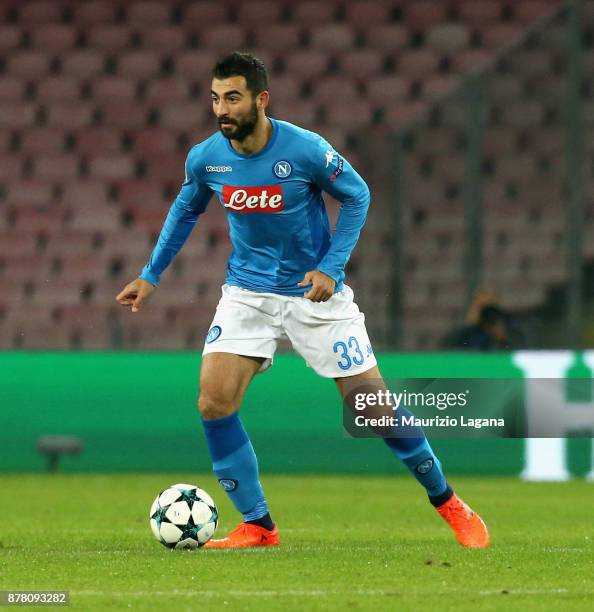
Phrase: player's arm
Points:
(334, 175)
(189, 204)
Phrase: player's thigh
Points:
(331, 336)
(371, 378)
(224, 378)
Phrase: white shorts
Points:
(330, 336)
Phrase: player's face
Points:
(235, 107)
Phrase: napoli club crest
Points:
(213, 334)
(282, 169)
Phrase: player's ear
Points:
(262, 100)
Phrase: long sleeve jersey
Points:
(278, 225)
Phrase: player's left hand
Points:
(322, 286)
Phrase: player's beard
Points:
(242, 128)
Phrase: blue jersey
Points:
(278, 225)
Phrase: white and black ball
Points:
(183, 516)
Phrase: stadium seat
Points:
(335, 89)
(53, 38)
(448, 37)
(278, 37)
(196, 14)
(367, 12)
(469, 60)
(419, 63)
(18, 241)
(285, 87)
(307, 63)
(108, 38)
(42, 141)
(19, 314)
(364, 64)
(424, 13)
(167, 167)
(56, 168)
(91, 139)
(11, 38)
(500, 34)
(58, 89)
(256, 12)
(17, 115)
(84, 191)
(332, 38)
(389, 37)
(479, 13)
(128, 115)
(111, 167)
(93, 13)
(358, 114)
(164, 40)
(93, 216)
(528, 11)
(220, 38)
(143, 193)
(139, 64)
(84, 64)
(109, 88)
(385, 90)
(40, 12)
(28, 64)
(153, 141)
(440, 86)
(196, 65)
(307, 12)
(129, 242)
(12, 89)
(63, 241)
(301, 112)
(148, 13)
(33, 193)
(183, 117)
(403, 112)
(171, 90)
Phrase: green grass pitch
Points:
(361, 543)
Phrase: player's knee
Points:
(214, 404)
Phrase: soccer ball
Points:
(183, 516)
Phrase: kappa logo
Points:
(219, 169)
(265, 199)
(329, 157)
(338, 171)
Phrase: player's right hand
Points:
(135, 293)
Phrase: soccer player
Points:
(285, 279)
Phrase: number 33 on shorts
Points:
(350, 353)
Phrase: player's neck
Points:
(257, 140)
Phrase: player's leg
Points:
(411, 446)
(332, 338)
(241, 342)
(408, 443)
(224, 378)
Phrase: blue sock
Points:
(235, 465)
(413, 449)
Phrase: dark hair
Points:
(245, 65)
(490, 314)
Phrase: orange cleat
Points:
(468, 527)
(246, 535)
